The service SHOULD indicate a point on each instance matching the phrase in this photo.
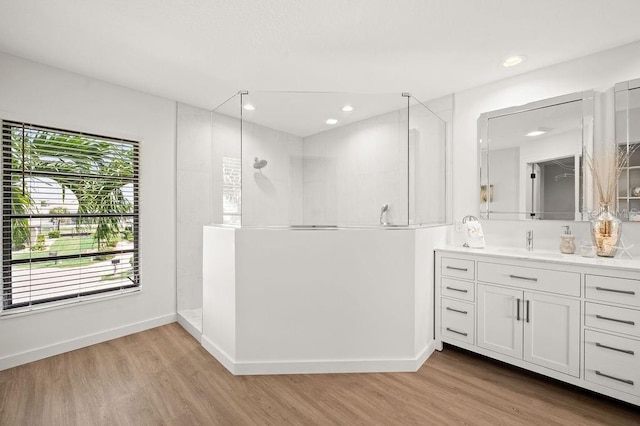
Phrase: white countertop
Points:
(546, 256)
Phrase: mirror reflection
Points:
(531, 160)
(628, 139)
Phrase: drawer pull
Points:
(457, 269)
(626, 351)
(457, 332)
(523, 278)
(461, 290)
(629, 382)
(613, 290)
(616, 320)
(456, 310)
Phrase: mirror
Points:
(627, 129)
(531, 159)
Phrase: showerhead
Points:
(259, 164)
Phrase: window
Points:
(70, 215)
(231, 190)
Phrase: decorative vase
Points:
(605, 230)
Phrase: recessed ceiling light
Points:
(249, 107)
(537, 132)
(512, 61)
(347, 108)
(332, 121)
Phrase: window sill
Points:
(48, 307)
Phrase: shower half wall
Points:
(319, 300)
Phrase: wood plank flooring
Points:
(163, 377)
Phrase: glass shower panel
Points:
(427, 166)
(324, 159)
(226, 166)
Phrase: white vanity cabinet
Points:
(539, 328)
(564, 316)
(612, 331)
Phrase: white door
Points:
(499, 328)
(552, 332)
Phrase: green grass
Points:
(73, 245)
(117, 276)
(62, 246)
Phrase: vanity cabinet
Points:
(541, 329)
(564, 316)
(612, 332)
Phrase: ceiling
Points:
(202, 51)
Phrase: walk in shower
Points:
(291, 159)
(304, 180)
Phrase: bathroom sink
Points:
(534, 254)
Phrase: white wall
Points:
(600, 72)
(428, 163)
(350, 172)
(271, 196)
(44, 95)
(194, 193)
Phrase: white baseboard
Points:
(81, 342)
(190, 328)
(425, 355)
(218, 354)
(318, 367)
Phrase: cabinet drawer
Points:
(612, 318)
(612, 361)
(610, 289)
(457, 289)
(458, 320)
(458, 268)
(558, 282)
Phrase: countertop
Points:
(547, 256)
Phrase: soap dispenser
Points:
(567, 241)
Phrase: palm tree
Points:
(59, 211)
(95, 171)
(21, 201)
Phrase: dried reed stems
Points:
(607, 171)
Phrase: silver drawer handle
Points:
(613, 290)
(629, 382)
(457, 269)
(626, 351)
(457, 289)
(616, 320)
(523, 278)
(457, 332)
(456, 310)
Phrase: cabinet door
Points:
(499, 329)
(552, 332)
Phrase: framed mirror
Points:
(531, 159)
(627, 135)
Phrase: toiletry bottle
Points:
(567, 242)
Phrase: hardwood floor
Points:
(163, 376)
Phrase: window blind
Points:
(70, 215)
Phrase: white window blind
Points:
(69, 215)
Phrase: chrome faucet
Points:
(530, 240)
